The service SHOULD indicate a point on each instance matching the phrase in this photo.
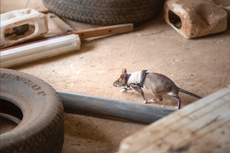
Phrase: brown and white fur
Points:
(158, 84)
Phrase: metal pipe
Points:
(39, 50)
(104, 107)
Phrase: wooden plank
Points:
(88, 33)
(197, 129)
(171, 122)
(180, 131)
(107, 30)
(214, 146)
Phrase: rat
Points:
(158, 84)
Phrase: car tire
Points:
(40, 110)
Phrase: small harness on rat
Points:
(136, 78)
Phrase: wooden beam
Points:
(202, 126)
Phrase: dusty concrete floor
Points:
(201, 66)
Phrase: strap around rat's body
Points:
(136, 78)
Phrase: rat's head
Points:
(122, 81)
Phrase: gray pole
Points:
(110, 108)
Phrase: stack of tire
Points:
(106, 12)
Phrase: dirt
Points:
(201, 66)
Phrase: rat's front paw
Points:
(177, 107)
(123, 90)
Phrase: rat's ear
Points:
(124, 70)
(122, 76)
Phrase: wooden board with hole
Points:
(55, 24)
(203, 126)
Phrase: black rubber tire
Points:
(42, 127)
(105, 12)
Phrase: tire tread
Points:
(105, 12)
(48, 138)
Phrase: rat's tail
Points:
(189, 93)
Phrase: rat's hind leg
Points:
(156, 100)
(158, 96)
(175, 97)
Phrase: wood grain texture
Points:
(107, 30)
(199, 127)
